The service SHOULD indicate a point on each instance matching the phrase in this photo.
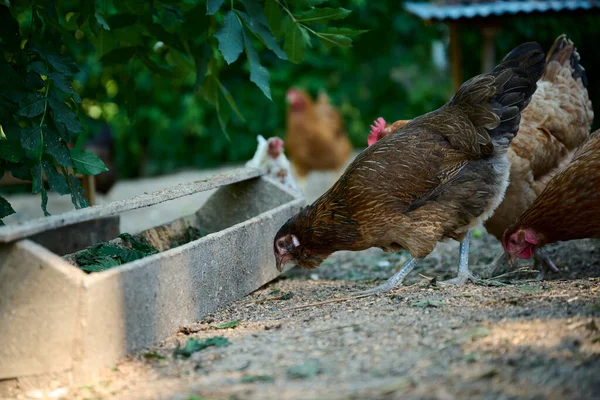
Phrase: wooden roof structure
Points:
(485, 13)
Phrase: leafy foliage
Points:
(126, 42)
(194, 345)
(38, 109)
(227, 325)
(106, 255)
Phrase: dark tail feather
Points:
(564, 49)
(493, 102)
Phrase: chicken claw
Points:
(464, 274)
(542, 262)
(394, 281)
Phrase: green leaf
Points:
(77, 193)
(33, 82)
(210, 90)
(62, 65)
(305, 36)
(62, 83)
(57, 148)
(5, 209)
(10, 150)
(256, 11)
(166, 37)
(86, 162)
(231, 42)
(201, 59)
(56, 180)
(45, 201)
(37, 66)
(322, 14)
(212, 6)
(32, 105)
(32, 138)
(307, 3)
(153, 356)
(223, 117)
(264, 35)
(100, 19)
(194, 345)
(335, 40)
(258, 74)
(227, 325)
(274, 16)
(121, 55)
(9, 29)
(294, 45)
(64, 115)
(37, 179)
(343, 31)
(230, 100)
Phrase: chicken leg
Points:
(464, 274)
(395, 280)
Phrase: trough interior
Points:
(228, 206)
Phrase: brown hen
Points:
(567, 209)
(555, 123)
(557, 120)
(431, 180)
(315, 140)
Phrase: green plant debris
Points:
(596, 339)
(531, 288)
(308, 370)
(153, 356)
(227, 325)
(106, 255)
(472, 357)
(286, 296)
(190, 234)
(275, 292)
(477, 333)
(428, 303)
(195, 398)
(194, 345)
(115, 369)
(477, 233)
(256, 378)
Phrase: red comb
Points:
(376, 130)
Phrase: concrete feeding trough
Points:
(58, 322)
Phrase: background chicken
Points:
(555, 123)
(270, 157)
(567, 209)
(431, 180)
(316, 140)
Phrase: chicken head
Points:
(519, 244)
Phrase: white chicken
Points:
(270, 157)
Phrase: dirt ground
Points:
(514, 338)
(523, 339)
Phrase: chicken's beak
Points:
(511, 260)
(279, 263)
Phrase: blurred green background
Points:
(389, 71)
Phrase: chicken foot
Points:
(464, 274)
(394, 281)
(544, 263)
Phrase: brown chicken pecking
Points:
(431, 180)
(557, 120)
(316, 140)
(567, 209)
